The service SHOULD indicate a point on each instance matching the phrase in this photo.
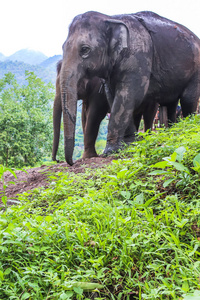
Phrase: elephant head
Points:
(94, 44)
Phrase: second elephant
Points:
(94, 109)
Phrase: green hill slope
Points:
(128, 231)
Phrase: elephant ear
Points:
(119, 36)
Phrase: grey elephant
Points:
(142, 56)
(95, 106)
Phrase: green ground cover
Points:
(129, 231)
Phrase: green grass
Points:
(129, 231)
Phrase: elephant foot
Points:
(56, 160)
(129, 139)
(89, 154)
(113, 148)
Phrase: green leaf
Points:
(4, 199)
(122, 173)
(194, 296)
(88, 286)
(180, 167)
(33, 285)
(161, 165)
(12, 172)
(139, 199)
(173, 157)
(1, 276)
(48, 218)
(196, 160)
(185, 286)
(78, 290)
(25, 296)
(158, 172)
(176, 239)
(167, 182)
(11, 182)
(180, 153)
(126, 194)
(7, 271)
(194, 250)
(66, 295)
(182, 223)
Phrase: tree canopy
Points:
(25, 120)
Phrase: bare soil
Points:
(38, 177)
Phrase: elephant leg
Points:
(190, 97)
(116, 130)
(171, 112)
(96, 112)
(84, 115)
(149, 114)
(125, 101)
(129, 135)
(137, 119)
(163, 116)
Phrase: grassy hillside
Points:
(129, 231)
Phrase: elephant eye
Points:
(85, 50)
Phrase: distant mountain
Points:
(28, 56)
(51, 61)
(29, 60)
(2, 57)
(18, 69)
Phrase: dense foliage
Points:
(25, 120)
(129, 231)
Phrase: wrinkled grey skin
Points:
(94, 109)
(142, 56)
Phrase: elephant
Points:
(95, 106)
(142, 56)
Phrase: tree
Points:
(25, 120)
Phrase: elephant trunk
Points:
(69, 108)
(57, 112)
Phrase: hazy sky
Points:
(43, 24)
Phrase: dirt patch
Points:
(37, 177)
